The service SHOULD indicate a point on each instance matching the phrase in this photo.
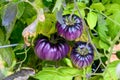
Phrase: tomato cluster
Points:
(57, 48)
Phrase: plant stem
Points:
(84, 74)
(21, 62)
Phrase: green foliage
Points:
(62, 73)
(97, 6)
(101, 16)
(92, 19)
(20, 9)
(69, 9)
(110, 73)
(6, 53)
(48, 26)
(29, 15)
(114, 28)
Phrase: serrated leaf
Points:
(62, 73)
(92, 19)
(98, 6)
(20, 9)
(103, 45)
(113, 28)
(103, 29)
(112, 71)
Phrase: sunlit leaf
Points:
(103, 45)
(110, 73)
(113, 28)
(92, 19)
(69, 9)
(38, 3)
(68, 62)
(62, 73)
(112, 8)
(98, 6)
(48, 26)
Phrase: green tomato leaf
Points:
(112, 8)
(113, 28)
(103, 45)
(69, 9)
(110, 73)
(48, 26)
(62, 73)
(20, 9)
(98, 6)
(102, 30)
(92, 19)
(29, 14)
(7, 54)
(67, 71)
(38, 4)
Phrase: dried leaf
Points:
(30, 30)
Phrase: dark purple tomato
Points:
(82, 54)
(50, 49)
(71, 28)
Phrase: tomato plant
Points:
(59, 39)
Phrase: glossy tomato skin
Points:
(47, 50)
(70, 30)
(79, 58)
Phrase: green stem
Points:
(84, 74)
(21, 62)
